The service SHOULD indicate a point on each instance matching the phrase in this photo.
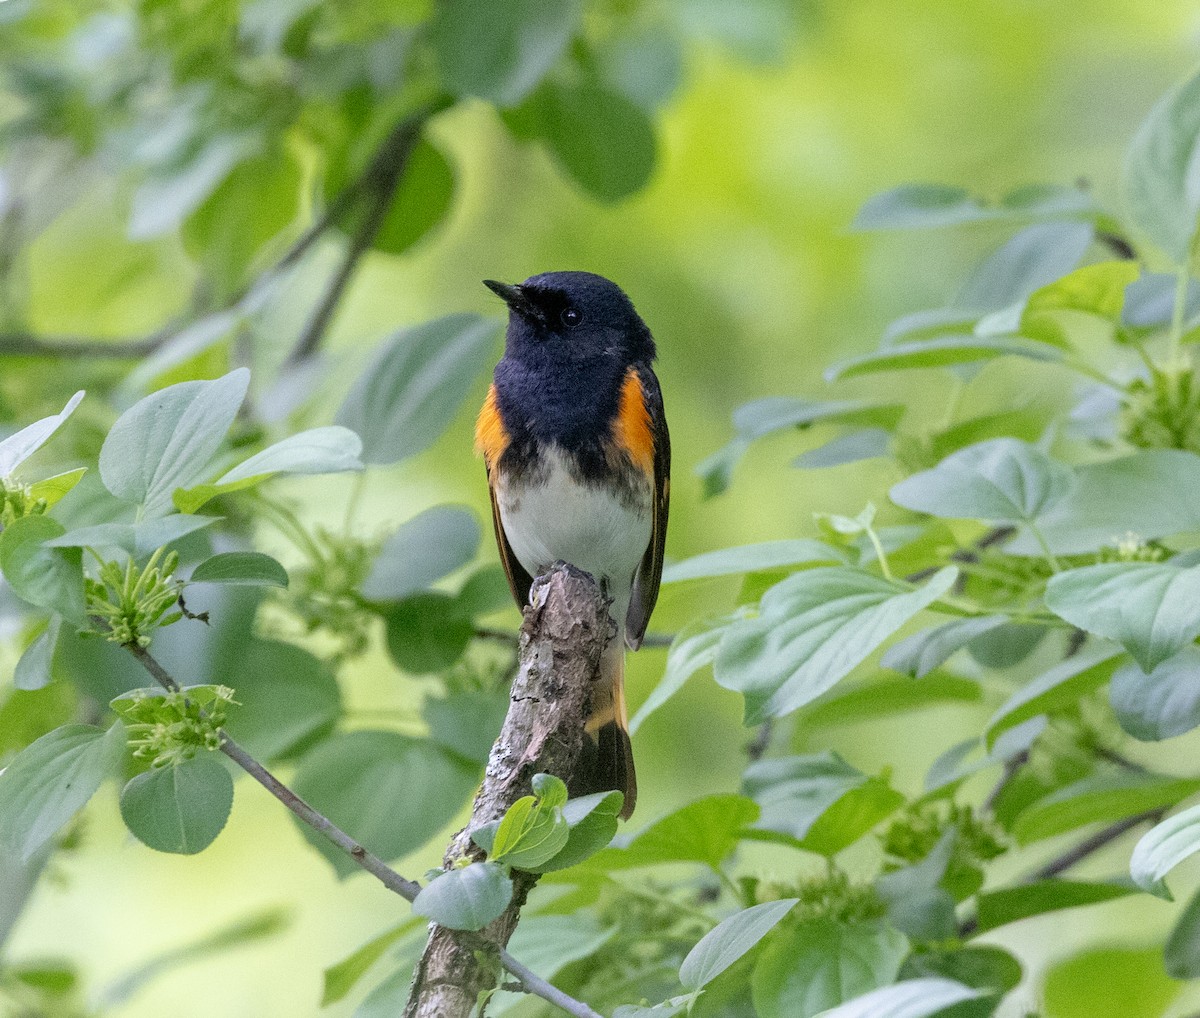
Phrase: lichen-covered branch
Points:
(565, 629)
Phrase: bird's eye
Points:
(571, 318)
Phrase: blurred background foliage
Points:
(156, 158)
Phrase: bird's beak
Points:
(516, 299)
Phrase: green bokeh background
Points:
(739, 257)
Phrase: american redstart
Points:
(578, 463)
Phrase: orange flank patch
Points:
(632, 430)
(491, 437)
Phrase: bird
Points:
(574, 438)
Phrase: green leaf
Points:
(416, 383)
(694, 647)
(1060, 688)
(1097, 289)
(467, 898)
(1012, 904)
(943, 352)
(50, 780)
(390, 792)
(852, 447)
(918, 905)
(179, 808)
(341, 978)
(40, 574)
(1007, 645)
(704, 831)
(818, 799)
(427, 632)
(1003, 480)
(591, 822)
(812, 630)
(500, 53)
(1164, 847)
(913, 998)
(1161, 704)
(1109, 982)
(730, 940)
(16, 449)
(921, 653)
(885, 696)
(1102, 797)
(52, 489)
(329, 450)
(429, 546)
(241, 568)
(1035, 257)
(533, 829)
(1150, 608)
(599, 137)
(137, 539)
(823, 963)
(752, 558)
(168, 439)
(33, 669)
(763, 417)
(920, 206)
(422, 201)
(466, 721)
(1181, 953)
(1109, 500)
(1160, 171)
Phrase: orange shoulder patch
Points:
(491, 437)
(633, 432)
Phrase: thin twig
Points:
(1088, 846)
(530, 981)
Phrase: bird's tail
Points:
(607, 758)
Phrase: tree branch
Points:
(529, 980)
(563, 635)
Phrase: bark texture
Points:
(566, 626)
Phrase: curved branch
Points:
(565, 629)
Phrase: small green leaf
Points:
(812, 630)
(1164, 847)
(16, 449)
(431, 545)
(704, 831)
(732, 938)
(941, 353)
(422, 200)
(1003, 480)
(918, 905)
(694, 647)
(823, 963)
(427, 632)
(1181, 954)
(913, 998)
(50, 780)
(1160, 175)
(921, 653)
(241, 568)
(752, 558)
(920, 206)
(179, 808)
(533, 830)
(1012, 904)
(796, 793)
(1161, 704)
(52, 489)
(1150, 608)
(1035, 257)
(500, 53)
(467, 898)
(329, 450)
(1060, 688)
(136, 538)
(416, 383)
(168, 439)
(39, 573)
(591, 822)
(33, 669)
(1105, 796)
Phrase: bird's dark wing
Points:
(519, 581)
(646, 580)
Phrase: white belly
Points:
(555, 517)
